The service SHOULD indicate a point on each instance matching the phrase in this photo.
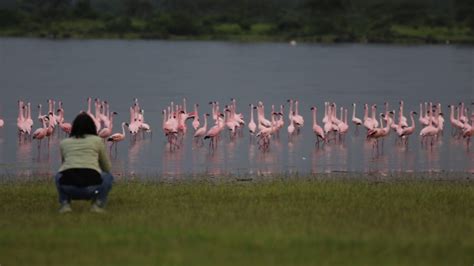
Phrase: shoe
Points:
(96, 207)
(65, 207)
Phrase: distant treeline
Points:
(311, 20)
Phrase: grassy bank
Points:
(137, 29)
(263, 223)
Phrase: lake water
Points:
(157, 72)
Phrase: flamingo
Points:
(66, 127)
(455, 123)
(41, 132)
(252, 126)
(106, 132)
(20, 121)
(262, 121)
(355, 120)
(201, 132)
(407, 131)
(343, 126)
(28, 120)
(368, 123)
(380, 133)
(423, 119)
(318, 131)
(467, 134)
(265, 133)
(196, 117)
(291, 126)
(299, 121)
(117, 137)
(214, 131)
(430, 130)
(403, 119)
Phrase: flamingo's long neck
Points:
(389, 123)
(296, 108)
(164, 118)
(251, 114)
(345, 116)
(89, 105)
(205, 122)
(28, 114)
(373, 112)
(431, 113)
(314, 116)
(451, 115)
(123, 129)
(290, 114)
(366, 111)
(412, 121)
(353, 111)
(421, 110)
(325, 109)
(20, 112)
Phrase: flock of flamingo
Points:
(334, 126)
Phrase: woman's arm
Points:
(104, 161)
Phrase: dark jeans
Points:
(98, 192)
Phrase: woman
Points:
(84, 173)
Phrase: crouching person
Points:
(85, 169)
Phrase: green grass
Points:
(294, 222)
(433, 34)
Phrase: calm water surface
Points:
(157, 72)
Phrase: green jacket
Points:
(88, 152)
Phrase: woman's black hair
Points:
(83, 125)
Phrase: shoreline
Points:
(323, 39)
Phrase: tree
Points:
(83, 9)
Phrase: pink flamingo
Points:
(117, 137)
(20, 121)
(196, 117)
(430, 130)
(106, 132)
(252, 126)
(291, 126)
(318, 131)
(379, 133)
(41, 132)
(404, 133)
(265, 133)
(299, 121)
(214, 132)
(201, 132)
(28, 120)
(467, 134)
(423, 119)
(368, 123)
(343, 126)
(403, 119)
(455, 123)
(355, 120)
(66, 127)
